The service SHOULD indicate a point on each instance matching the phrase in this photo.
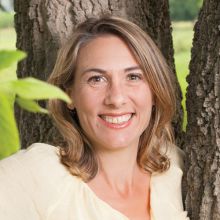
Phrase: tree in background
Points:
(43, 26)
(184, 9)
(203, 107)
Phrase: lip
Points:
(114, 125)
(115, 114)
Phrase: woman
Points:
(119, 161)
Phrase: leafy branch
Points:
(25, 92)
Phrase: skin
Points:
(114, 102)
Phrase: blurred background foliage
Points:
(184, 10)
(6, 19)
(182, 42)
(7, 31)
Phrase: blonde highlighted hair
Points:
(78, 155)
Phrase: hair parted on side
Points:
(78, 155)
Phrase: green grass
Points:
(182, 40)
(7, 31)
(7, 38)
(6, 19)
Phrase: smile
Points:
(116, 121)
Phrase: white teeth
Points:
(117, 120)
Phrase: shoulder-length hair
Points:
(78, 155)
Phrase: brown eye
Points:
(96, 80)
(134, 76)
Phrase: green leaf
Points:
(7, 89)
(30, 105)
(9, 138)
(8, 57)
(8, 74)
(34, 89)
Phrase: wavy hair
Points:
(78, 155)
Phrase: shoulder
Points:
(166, 194)
(176, 156)
(36, 156)
(32, 179)
(37, 162)
(32, 153)
(176, 168)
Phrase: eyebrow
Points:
(98, 70)
(132, 68)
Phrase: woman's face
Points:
(111, 95)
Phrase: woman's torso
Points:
(35, 185)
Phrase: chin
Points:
(118, 145)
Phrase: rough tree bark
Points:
(203, 107)
(43, 25)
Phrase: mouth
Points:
(117, 119)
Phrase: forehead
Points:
(107, 51)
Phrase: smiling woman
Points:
(101, 51)
(119, 160)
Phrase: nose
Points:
(116, 95)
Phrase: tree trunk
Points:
(43, 25)
(203, 107)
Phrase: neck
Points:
(118, 168)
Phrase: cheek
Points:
(86, 101)
(145, 99)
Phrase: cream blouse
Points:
(34, 185)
